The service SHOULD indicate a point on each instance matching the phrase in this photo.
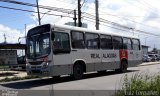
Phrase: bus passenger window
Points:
(117, 42)
(106, 42)
(136, 44)
(92, 41)
(61, 42)
(77, 40)
(127, 43)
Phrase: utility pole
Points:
(79, 14)
(25, 26)
(97, 14)
(5, 39)
(39, 19)
(75, 18)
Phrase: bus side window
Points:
(78, 40)
(117, 42)
(136, 44)
(92, 41)
(61, 43)
(127, 44)
(106, 42)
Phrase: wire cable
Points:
(69, 11)
(33, 11)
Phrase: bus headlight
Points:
(27, 66)
(45, 65)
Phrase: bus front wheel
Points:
(78, 71)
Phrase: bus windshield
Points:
(38, 46)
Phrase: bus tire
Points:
(123, 67)
(78, 71)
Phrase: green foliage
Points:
(140, 84)
(3, 67)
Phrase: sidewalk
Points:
(149, 63)
(10, 74)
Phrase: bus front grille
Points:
(36, 71)
(36, 63)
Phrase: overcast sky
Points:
(138, 14)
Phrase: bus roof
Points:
(93, 31)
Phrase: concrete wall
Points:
(145, 50)
(8, 56)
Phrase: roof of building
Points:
(145, 46)
(12, 46)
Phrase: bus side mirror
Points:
(52, 36)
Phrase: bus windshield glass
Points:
(38, 46)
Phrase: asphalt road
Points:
(93, 81)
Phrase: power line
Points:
(60, 10)
(72, 2)
(119, 16)
(71, 17)
(106, 25)
(105, 13)
(146, 4)
(85, 1)
(85, 19)
(64, 1)
(139, 31)
(33, 11)
(105, 21)
(69, 11)
(133, 21)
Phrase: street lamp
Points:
(45, 14)
(146, 39)
(42, 16)
(20, 38)
(132, 30)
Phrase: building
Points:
(145, 49)
(8, 56)
(8, 53)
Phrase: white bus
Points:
(54, 50)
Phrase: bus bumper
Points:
(38, 70)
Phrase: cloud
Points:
(67, 4)
(138, 14)
(12, 35)
(141, 15)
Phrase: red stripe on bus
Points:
(123, 54)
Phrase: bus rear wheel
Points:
(78, 71)
(123, 67)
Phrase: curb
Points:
(149, 64)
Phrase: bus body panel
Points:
(92, 58)
(62, 62)
(110, 60)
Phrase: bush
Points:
(140, 85)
